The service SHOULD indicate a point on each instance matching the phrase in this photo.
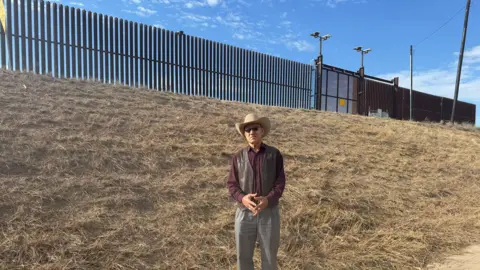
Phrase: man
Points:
(256, 181)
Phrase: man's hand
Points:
(262, 205)
(247, 201)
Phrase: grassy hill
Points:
(101, 177)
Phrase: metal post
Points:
(411, 81)
(460, 60)
(361, 64)
(320, 46)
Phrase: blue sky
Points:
(283, 27)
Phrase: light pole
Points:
(362, 76)
(363, 52)
(319, 65)
(321, 38)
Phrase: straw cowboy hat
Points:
(253, 118)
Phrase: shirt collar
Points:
(262, 148)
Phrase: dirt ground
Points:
(467, 260)
(95, 176)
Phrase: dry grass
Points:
(99, 177)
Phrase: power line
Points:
(445, 23)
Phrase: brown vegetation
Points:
(100, 177)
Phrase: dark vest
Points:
(246, 174)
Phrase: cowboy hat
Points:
(252, 118)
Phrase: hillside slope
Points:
(100, 177)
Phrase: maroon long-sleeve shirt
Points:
(256, 160)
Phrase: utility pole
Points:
(460, 60)
(411, 81)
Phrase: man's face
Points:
(254, 133)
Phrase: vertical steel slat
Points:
(169, 44)
(117, 51)
(228, 71)
(101, 49)
(268, 97)
(61, 35)
(177, 64)
(184, 64)
(121, 51)
(203, 66)
(9, 36)
(291, 90)
(16, 35)
(145, 56)
(49, 40)
(298, 75)
(306, 95)
(156, 52)
(208, 88)
(95, 45)
(250, 76)
(237, 74)
(265, 80)
(300, 93)
(211, 68)
(196, 65)
(164, 60)
(30, 35)
(154, 48)
(84, 44)
(278, 89)
(232, 74)
(125, 61)
(218, 70)
(131, 68)
(76, 38)
(150, 58)
(298, 89)
(290, 98)
(240, 75)
(78, 65)
(141, 56)
(23, 35)
(68, 42)
(36, 36)
(259, 78)
(111, 50)
(3, 49)
(188, 65)
(289, 79)
(90, 45)
(55, 65)
(172, 61)
(192, 65)
(253, 77)
(223, 53)
(106, 48)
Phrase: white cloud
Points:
(142, 11)
(194, 4)
(284, 15)
(77, 4)
(441, 81)
(137, 1)
(300, 45)
(213, 3)
(334, 3)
